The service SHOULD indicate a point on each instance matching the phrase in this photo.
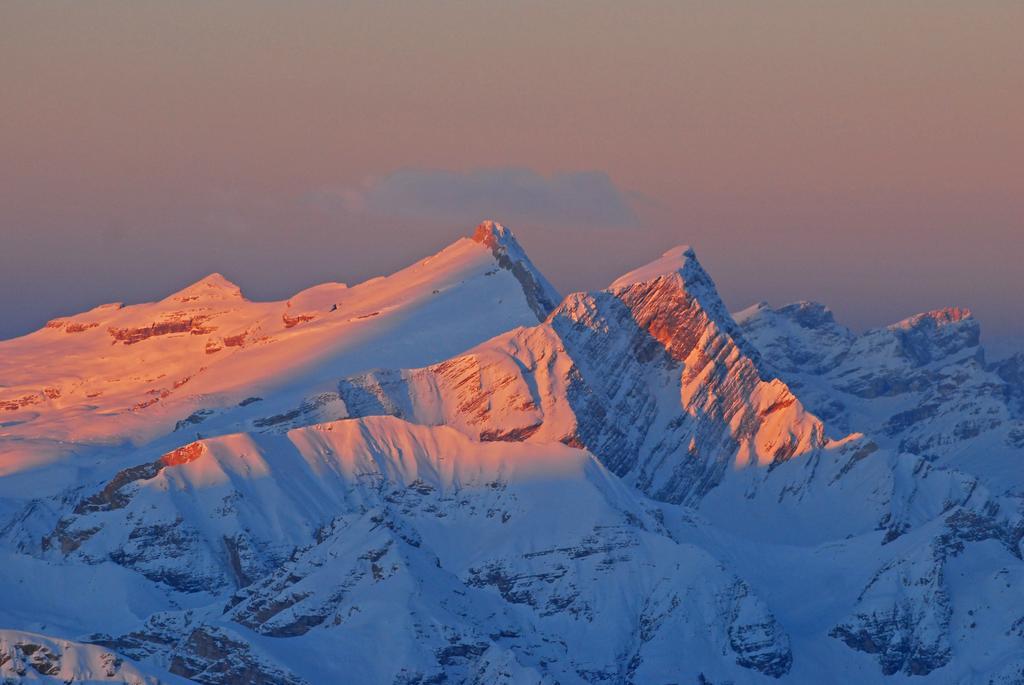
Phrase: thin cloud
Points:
(580, 198)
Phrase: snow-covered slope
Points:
(206, 357)
(478, 484)
(358, 532)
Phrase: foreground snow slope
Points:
(340, 536)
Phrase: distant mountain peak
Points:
(937, 334)
(680, 260)
(804, 313)
(935, 318)
(799, 335)
(809, 314)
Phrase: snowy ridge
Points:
(133, 374)
(220, 512)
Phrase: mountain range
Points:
(452, 474)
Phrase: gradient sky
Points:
(869, 155)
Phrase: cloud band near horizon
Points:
(519, 195)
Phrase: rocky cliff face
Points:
(907, 613)
(903, 617)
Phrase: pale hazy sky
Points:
(865, 154)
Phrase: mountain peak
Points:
(804, 313)
(809, 314)
(680, 260)
(677, 285)
(214, 286)
(494, 235)
(934, 335)
(540, 294)
(796, 336)
(935, 318)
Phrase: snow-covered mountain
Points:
(921, 385)
(651, 375)
(449, 475)
(206, 357)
